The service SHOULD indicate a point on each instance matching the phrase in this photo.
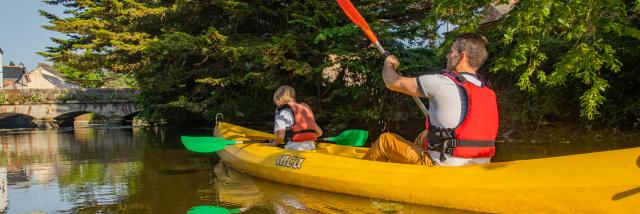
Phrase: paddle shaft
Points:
(357, 19)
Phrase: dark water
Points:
(148, 171)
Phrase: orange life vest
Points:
(304, 124)
(475, 136)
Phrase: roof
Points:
(50, 69)
(53, 76)
(496, 11)
(6, 83)
(12, 72)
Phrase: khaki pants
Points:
(391, 147)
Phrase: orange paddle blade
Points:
(357, 19)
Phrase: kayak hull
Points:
(602, 182)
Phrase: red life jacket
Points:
(304, 124)
(474, 137)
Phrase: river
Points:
(146, 170)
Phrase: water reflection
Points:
(93, 170)
(254, 195)
(65, 170)
(4, 196)
(509, 150)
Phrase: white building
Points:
(45, 77)
(42, 77)
(1, 73)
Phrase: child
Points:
(294, 122)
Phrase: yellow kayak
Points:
(602, 182)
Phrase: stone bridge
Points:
(50, 108)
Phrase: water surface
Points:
(148, 171)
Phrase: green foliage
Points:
(96, 97)
(195, 58)
(550, 43)
(22, 99)
(84, 78)
(96, 79)
(550, 60)
(3, 98)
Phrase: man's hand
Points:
(392, 62)
(393, 81)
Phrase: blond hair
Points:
(283, 95)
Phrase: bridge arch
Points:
(105, 109)
(128, 119)
(71, 118)
(16, 120)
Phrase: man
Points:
(463, 120)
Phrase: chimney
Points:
(1, 71)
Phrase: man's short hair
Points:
(475, 45)
(284, 95)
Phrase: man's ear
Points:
(464, 58)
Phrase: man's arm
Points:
(393, 81)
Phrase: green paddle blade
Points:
(211, 210)
(205, 144)
(351, 138)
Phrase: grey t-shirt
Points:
(447, 102)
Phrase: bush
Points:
(3, 98)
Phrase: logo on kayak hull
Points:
(290, 161)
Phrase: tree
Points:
(103, 37)
(579, 46)
(202, 57)
(85, 79)
(196, 58)
(103, 34)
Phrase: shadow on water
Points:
(180, 171)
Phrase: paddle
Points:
(211, 210)
(206, 144)
(213, 144)
(349, 138)
(357, 19)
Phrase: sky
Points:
(21, 32)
